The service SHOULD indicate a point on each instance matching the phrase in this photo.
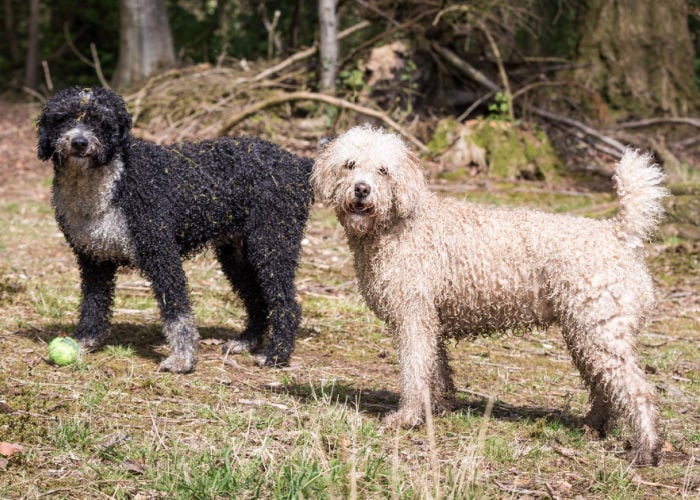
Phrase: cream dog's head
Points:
(370, 177)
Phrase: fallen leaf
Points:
(134, 467)
(9, 449)
(667, 447)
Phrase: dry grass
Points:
(112, 426)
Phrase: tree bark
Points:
(638, 55)
(31, 68)
(145, 42)
(10, 32)
(328, 49)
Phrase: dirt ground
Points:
(342, 342)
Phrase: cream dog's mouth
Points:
(359, 208)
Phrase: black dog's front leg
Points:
(97, 288)
(163, 267)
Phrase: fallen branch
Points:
(465, 68)
(313, 96)
(656, 121)
(609, 141)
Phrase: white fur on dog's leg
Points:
(182, 337)
(89, 344)
(177, 364)
(403, 418)
(237, 346)
(417, 337)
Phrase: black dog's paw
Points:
(88, 343)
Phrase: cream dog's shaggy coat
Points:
(434, 268)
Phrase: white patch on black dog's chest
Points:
(83, 198)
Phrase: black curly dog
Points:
(121, 201)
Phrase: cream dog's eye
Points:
(383, 171)
(350, 165)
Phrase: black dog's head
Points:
(87, 125)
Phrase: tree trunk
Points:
(328, 49)
(145, 42)
(31, 69)
(638, 55)
(10, 32)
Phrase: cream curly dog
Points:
(434, 268)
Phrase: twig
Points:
(527, 88)
(602, 170)
(501, 69)
(514, 490)
(550, 490)
(378, 12)
(313, 96)
(98, 66)
(465, 68)
(475, 105)
(686, 143)
(47, 75)
(567, 453)
(656, 121)
(72, 47)
(34, 93)
(613, 143)
(465, 8)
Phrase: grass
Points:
(113, 426)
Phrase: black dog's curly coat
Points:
(121, 201)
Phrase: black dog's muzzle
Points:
(79, 145)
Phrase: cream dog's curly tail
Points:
(638, 185)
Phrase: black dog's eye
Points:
(350, 165)
(383, 171)
(57, 120)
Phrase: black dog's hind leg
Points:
(97, 293)
(243, 279)
(163, 267)
(275, 263)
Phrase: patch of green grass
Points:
(208, 474)
(119, 351)
(71, 435)
(614, 483)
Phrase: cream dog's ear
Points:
(324, 173)
(408, 184)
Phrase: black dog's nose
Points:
(362, 190)
(79, 143)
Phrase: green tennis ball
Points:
(63, 351)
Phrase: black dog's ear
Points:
(45, 147)
(124, 122)
(112, 101)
